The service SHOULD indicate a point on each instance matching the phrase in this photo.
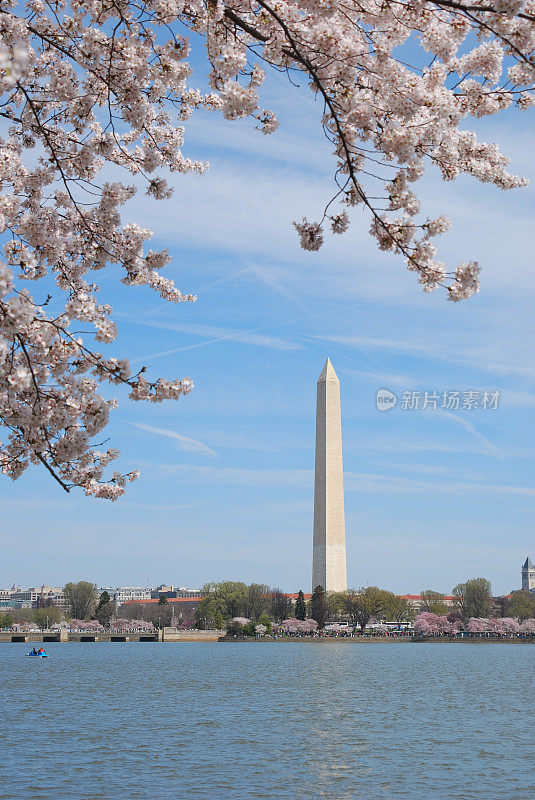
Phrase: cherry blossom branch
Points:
(106, 84)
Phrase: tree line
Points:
(226, 600)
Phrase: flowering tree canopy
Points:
(477, 625)
(123, 625)
(428, 624)
(528, 626)
(293, 625)
(92, 88)
(241, 620)
(86, 625)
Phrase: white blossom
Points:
(310, 234)
(96, 88)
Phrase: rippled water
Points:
(343, 721)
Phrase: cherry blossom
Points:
(509, 625)
(429, 624)
(93, 91)
(528, 627)
(293, 625)
(477, 625)
(241, 620)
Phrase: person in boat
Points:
(41, 650)
(34, 652)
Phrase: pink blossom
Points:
(427, 624)
(528, 627)
(477, 625)
(509, 625)
(94, 89)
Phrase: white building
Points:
(173, 591)
(125, 593)
(528, 575)
(33, 596)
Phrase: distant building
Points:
(528, 575)
(172, 592)
(57, 597)
(33, 597)
(136, 593)
(415, 600)
(109, 589)
(25, 598)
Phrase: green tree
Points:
(499, 606)
(264, 620)
(227, 599)
(235, 629)
(257, 603)
(459, 599)
(104, 613)
(82, 598)
(234, 597)
(105, 609)
(280, 605)
(350, 605)
(208, 610)
(367, 603)
(104, 598)
(398, 609)
(473, 598)
(44, 617)
(6, 620)
(521, 605)
(23, 615)
(318, 606)
(433, 602)
(162, 600)
(300, 610)
(335, 605)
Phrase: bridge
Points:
(162, 635)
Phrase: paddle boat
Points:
(40, 654)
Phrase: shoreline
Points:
(212, 636)
(374, 640)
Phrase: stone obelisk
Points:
(329, 554)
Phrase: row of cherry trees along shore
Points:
(428, 624)
(473, 609)
(227, 601)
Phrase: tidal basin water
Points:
(367, 721)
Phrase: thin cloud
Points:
(164, 508)
(237, 476)
(388, 484)
(183, 442)
(354, 481)
(470, 428)
(250, 336)
(434, 352)
(264, 275)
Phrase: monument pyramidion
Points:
(329, 547)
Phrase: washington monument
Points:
(329, 554)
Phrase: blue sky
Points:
(432, 497)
